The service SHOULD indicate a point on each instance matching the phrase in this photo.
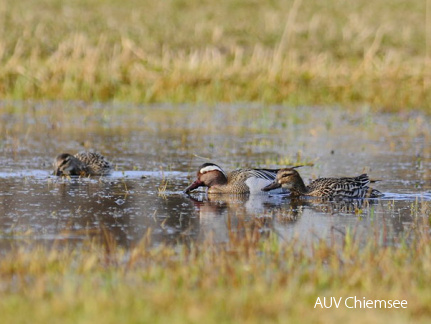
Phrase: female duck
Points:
(355, 187)
(82, 164)
(241, 181)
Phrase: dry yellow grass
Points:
(291, 52)
(250, 279)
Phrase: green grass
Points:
(289, 52)
(250, 279)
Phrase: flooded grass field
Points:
(133, 247)
(157, 150)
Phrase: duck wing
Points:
(348, 187)
(252, 180)
(96, 163)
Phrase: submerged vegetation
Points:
(249, 279)
(290, 52)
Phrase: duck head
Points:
(208, 175)
(67, 164)
(286, 178)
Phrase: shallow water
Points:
(157, 151)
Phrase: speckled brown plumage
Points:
(348, 187)
(82, 164)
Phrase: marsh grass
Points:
(290, 52)
(250, 278)
(163, 186)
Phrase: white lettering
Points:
(335, 302)
(345, 302)
(380, 303)
(324, 302)
(355, 302)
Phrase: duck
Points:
(347, 187)
(240, 181)
(82, 164)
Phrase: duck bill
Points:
(271, 186)
(193, 186)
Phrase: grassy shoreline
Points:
(249, 279)
(294, 53)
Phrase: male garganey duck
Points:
(82, 164)
(241, 181)
(354, 187)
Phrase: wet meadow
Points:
(159, 88)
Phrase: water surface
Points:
(157, 150)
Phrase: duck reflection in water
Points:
(226, 216)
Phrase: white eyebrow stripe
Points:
(212, 168)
